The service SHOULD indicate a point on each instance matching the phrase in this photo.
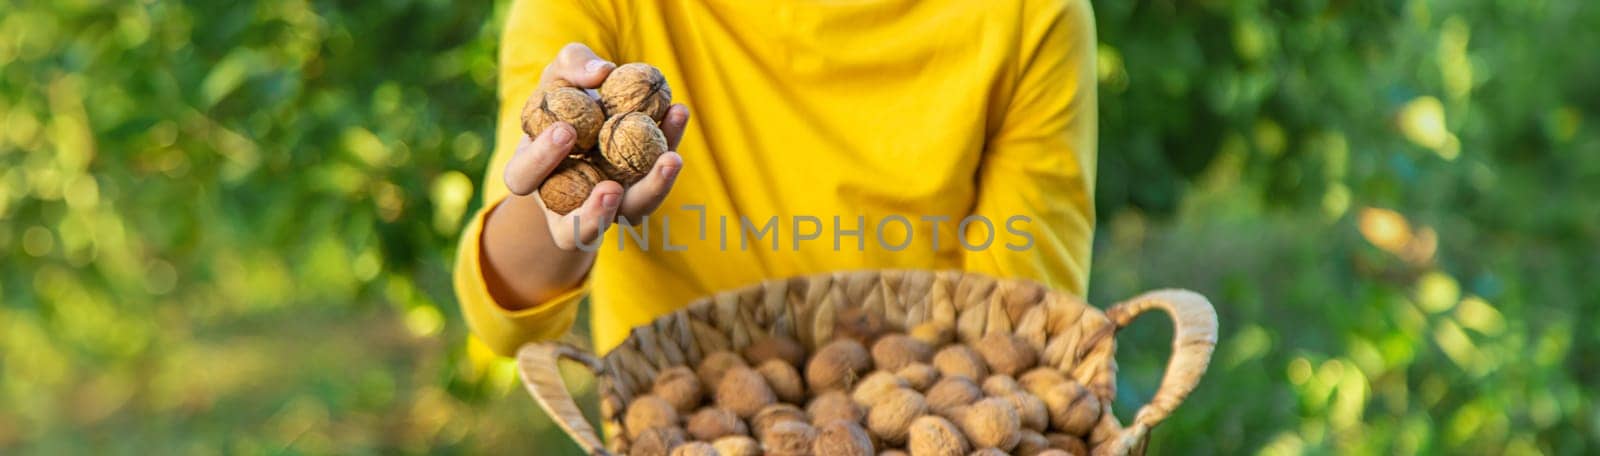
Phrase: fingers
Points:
(535, 158)
(579, 65)
(677, 120)
(587, 223)
(647, 194)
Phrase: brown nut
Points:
(712, 423)
(843, 438)
(772, 415)
(999, 385)
(629, 146)
(990, 423)
(656, 442)
(715, 365)
(859, 323)
(680, 387)
(960, 361)
(1031, 410)
(1005, 353)
(1031, 443)
(744, 392)
(636, 87)
(872, 388)
(648, 412)
(931, 435)
(1041, 379)
(1073, 409)
(695, 449)
(784, 380)
(1070, 443)
(952, 392)
(780, 347)
(789, 438)
(833, 405)
(837, 365)
(569, 185)
(737, 445)
(891, 417)
(919, 376)
(555, 103)
(988, 452)
(894, 351)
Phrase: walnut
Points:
(715, 365)
(744, 392)
(872, 388)
(837, 365)
(679, 386)
(712, 423)
(1070, 443)
(1031, 444)
(1005, 353)
(1031, 410)
(784, 380)
(1073, 409)
(999, 385)
(553, 103)
(629, 146)
(890, 419)
(569, 185)
(932, 435)
(737, 445)
(648, 412)
(842, 438)
(919, 376)
(960, 361)
(780, 347)
(771, 415)
(894, 351)
(833, 405)
(1041, 379)
(694, 449)
(657, 441)
(952, 392)
(636, 87)
(990, 423)
(789, 438)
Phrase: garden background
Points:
(226, 227)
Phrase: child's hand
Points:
(537, 157)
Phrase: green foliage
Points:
(228, 226)
(1391, 204)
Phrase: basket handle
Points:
(542, 376)
(1194, 337)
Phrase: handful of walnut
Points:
(624, 123)
(868, 391)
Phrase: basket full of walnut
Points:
(914, 362)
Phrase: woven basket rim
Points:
(1069, 333)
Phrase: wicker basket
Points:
(1067, 332)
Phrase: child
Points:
(868, 134)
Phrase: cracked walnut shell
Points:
(553, 103)
(636, 87)
(629, 146)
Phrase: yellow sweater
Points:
(884, 113)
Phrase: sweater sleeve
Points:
(1037, 174)
(534, 33)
